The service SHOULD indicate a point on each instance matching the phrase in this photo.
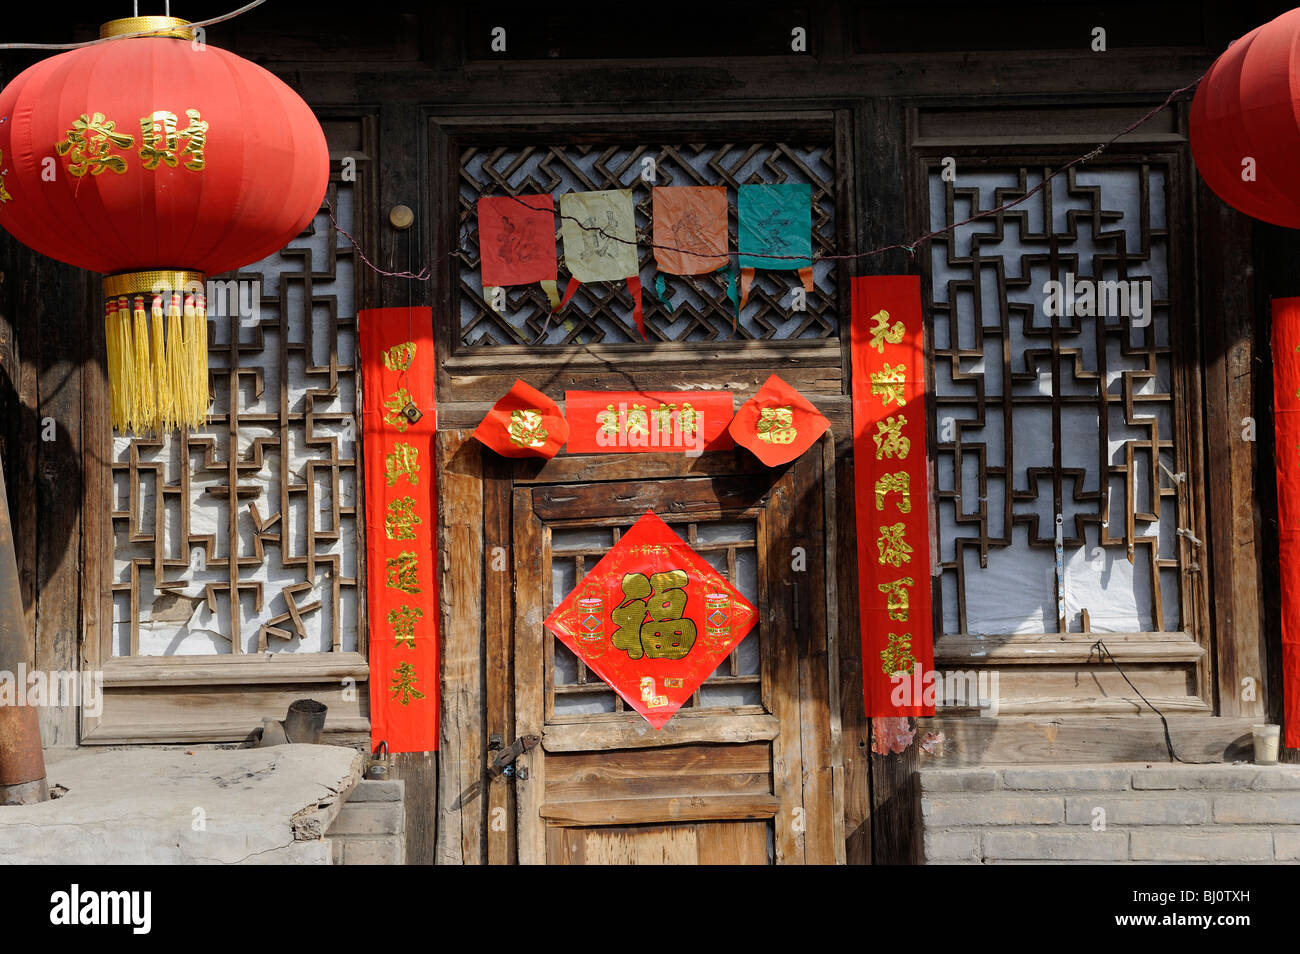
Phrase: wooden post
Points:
(22, 761)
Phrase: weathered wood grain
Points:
(463, 745)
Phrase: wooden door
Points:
(742, 774)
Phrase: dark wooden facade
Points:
(893, 88)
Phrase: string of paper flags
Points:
(688, 234)
(517, 241)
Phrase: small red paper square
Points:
(777, 424)
(524, 423)
(516, 239)
(653, 619)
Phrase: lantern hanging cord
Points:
(129, 36)
(426, 273)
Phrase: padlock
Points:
(413, 413)
(377, 764)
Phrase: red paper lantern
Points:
(157, 161)
(1245, 123)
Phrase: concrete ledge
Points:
(151, 806)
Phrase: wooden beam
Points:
(1235, 543)
(462, 748)
(1025, 740)
(684, 728)
(641, 811)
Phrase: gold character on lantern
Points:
(897, 656)
(403, 620)
(402, 462)
(896, 597)
(526, 428)
(889, 438)
(898, 482)
(776, 425)
(882, 331)
(403, 572)
(401, 519)
(404, 680)
(160, 140)
(889, 384)
(89, 141)
(399, 356)
(4, 193)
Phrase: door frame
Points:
(813, 832)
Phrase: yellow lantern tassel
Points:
(114, 364)
(165, 408)
(123, 385)
(177, 363)
(195, 388)
(143, 414)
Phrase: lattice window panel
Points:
(727, 546)
(262, 501)
(602, 312)
(1038, 416)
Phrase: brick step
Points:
(1116, 844)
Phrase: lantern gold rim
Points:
(154, 281)
(152, 26)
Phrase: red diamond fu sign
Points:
(652, 619)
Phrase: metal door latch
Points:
(502, 764)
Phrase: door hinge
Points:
(502, 764)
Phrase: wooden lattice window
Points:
(729, 546)
(1079, 420)
(602, 312)
(243, 536)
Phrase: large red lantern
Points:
(1245, 123)
(156, 160)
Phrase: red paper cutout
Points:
(1286, 413)
(516, 239)
(777, 424)
(524, 423)
(397, 361)
(628, 422)
(652, 619)
(892, 500)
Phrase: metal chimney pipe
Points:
(22, 761)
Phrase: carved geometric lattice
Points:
(1071, 415)
(602, 311)
(261, 502)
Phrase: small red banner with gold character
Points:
(652, 619)
(893, 517)
(399, 424)
(1286, 410)
(628, 422)
(777, 424)
(524, 423)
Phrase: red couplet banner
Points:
(653, 619)
(399, 424)
(892, 500)
(1286, 414)
(624, 422)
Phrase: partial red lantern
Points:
(156, 160)
(1245, 123)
